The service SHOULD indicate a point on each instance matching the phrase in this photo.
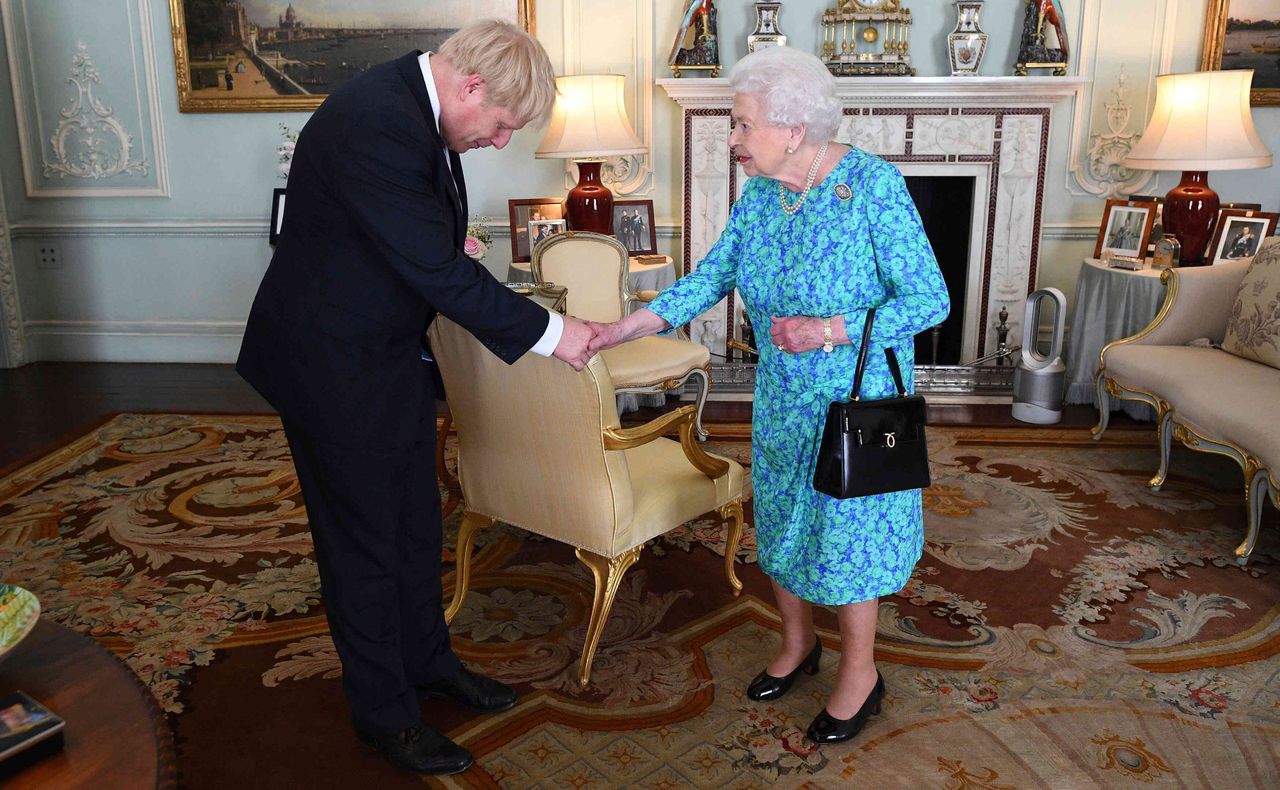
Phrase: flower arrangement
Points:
(285, 152)
(478, 238)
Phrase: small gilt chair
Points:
(594, 269)
(540, 447)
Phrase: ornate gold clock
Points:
(866, 38)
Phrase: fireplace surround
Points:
(994, 130)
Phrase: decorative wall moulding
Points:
(587, 53)
(12, 345)
(87, 103)
(1112, 111)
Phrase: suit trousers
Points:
(375, 521)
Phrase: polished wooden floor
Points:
(45, 403)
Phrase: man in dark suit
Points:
(370, 251)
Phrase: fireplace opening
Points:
(945, 204)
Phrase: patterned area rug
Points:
(1066, 626)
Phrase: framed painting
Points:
(1239, 232)
(1126, 226)
(527, 213)
(633, 225)
(267, 55)
(1245, 34)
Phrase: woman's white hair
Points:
(794, 88)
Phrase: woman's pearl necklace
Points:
(808, 183)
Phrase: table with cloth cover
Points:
(1110, 304)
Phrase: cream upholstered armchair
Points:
(540, 447)
(594, 269)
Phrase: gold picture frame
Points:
(259, 80)
(1214, 51)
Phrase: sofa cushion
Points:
(1253, 330)
(1218, 395)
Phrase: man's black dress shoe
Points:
(475, 691)
(828, 729)
(421, 750)
(767, 687)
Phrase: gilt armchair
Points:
(594, 269)
(540, 447)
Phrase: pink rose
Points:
(474, 247)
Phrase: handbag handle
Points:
(889, 354)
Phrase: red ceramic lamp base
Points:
(589, 205)
(1190, 211)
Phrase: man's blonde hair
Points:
(516, 71)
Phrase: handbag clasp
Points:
(890, 440)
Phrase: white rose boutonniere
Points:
(478, 238)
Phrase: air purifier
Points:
(1040, 378)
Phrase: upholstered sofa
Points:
(1209, 363)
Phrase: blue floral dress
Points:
(834, 256)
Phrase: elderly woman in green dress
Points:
(822, 233)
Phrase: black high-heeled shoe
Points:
(766, 687)
(828, 729)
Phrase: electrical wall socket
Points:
(49, 256)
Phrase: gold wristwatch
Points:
(827, 345)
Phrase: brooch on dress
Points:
(843, 191)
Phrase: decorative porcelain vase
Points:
(967, 44)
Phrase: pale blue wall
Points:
(171, 277)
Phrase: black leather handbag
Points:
(873, 446)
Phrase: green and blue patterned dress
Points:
(834, 256)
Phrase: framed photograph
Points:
(543, 229)
(1126, 226)
(277, 216)
(633, 225)
(268, 55)
(1239, 232)
(524, 213)
(1245, 34)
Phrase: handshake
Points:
(581, 340)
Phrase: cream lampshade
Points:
(1201, 122)
(588, 125)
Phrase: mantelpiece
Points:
(993, 129)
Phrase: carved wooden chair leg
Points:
(471, 524)
(451, 484)
(608, 576)
(1104, 405)
(1164, 419)
(1255, 497)
(732, 512)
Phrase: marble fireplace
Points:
(994, 131)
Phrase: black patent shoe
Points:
(472, 690)
(766, 687)
(421, 750)
(828, 729)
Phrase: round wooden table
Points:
(116, 735)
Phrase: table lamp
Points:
(588, 125)
(1201, 122)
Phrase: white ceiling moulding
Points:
(1109, 120)
(83, 148)
(587, 52)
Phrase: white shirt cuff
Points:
(550, 338)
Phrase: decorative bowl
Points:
(19, 611)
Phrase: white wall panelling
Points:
(103, 138)
(585, 52)
(12, 347)
(1110, 120)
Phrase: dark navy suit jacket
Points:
(369, 252)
